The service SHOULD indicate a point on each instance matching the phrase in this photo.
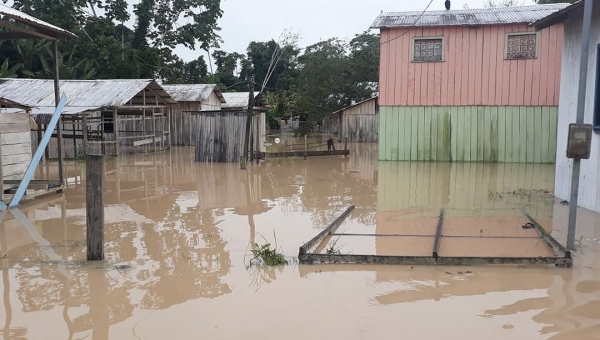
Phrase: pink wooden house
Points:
(469, 85)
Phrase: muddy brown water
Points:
(177, 244)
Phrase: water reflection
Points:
(177, 233)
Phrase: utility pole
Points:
(583, 68)
(244, 158)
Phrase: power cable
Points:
(413, 24)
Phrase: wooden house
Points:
(120, 115)
(572, 19)
(469, 85)
(15, 146)
(358, 122)
(191, 98)
(222, 133)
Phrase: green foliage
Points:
(7, 71)
(267, 256)
(323, 78)
(555, 1)
(334, 75)
(106, 48)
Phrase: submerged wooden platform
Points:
(35, 189)
(523, 241)
(302, 153)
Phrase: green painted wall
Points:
(515, 134)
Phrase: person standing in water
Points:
(330, 145)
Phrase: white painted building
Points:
(572, 16)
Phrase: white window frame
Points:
(412, 49)
(537, 44)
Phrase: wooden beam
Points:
(158, 97)
(26, 31)
(304, 249)
(301, 153)
(16, 36)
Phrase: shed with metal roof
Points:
(140, 108)
(18, 25)
(191, 98)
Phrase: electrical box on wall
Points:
(579, 141)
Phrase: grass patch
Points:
(266, 255)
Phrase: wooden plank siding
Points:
(360, 123)
(15, 145)
(220, 136)
(474, 71)
(519, 134)
(183, 123)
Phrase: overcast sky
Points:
(261, 20)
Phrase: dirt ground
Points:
(177, 248)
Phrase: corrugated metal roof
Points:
(19, 16)
(556, 17)
(43, 114)
(355, 104)
(80, 93)
(237, 99)
(467, 17)
(193, 92)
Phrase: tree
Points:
(503, 3)
(116, 50)
(333, 74)
(180, 72)
(555, 1)
(227, 74)
(364, 55)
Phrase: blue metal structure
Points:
(38, 155)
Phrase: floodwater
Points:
(178, 235)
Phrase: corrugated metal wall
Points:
(474, 71)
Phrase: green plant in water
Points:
(267, 255)
(80, 156)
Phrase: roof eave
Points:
(556, 17)
(219, 94)
(36, 25)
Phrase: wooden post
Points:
(84, 128)
(116, 131)
(248, 123)
(95, 208)
(47, 149)
(170, 114)
(154, 130)
(257, 137)
(252, 140)
(73, 137)
(305, 147)
(61, 174)
(39, 137)
(346, 145)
